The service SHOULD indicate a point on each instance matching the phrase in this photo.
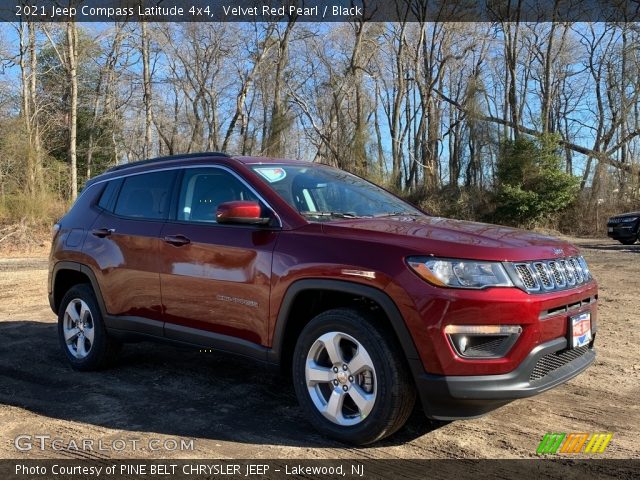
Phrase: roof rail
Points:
(183, 156)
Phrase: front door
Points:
(215, 278)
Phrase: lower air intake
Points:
(554, 361)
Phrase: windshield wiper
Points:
(331, 214)
(397, 214)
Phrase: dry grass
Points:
(26, 221)
(23, 239)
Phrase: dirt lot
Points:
(234, 409)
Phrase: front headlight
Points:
(444, 272)
(628, 219)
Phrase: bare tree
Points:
(68, 57)
(103, 101)
(72, 67)
(257, 50)
(27, 61)
(145, 49)
(278, 121)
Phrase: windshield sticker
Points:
(272, 174)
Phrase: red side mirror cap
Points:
(240, 212)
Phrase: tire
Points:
(82, 335)
(376, 375)
(628, 242)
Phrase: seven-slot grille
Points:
(549, 275)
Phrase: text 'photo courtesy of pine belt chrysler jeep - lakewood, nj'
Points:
(370, 304)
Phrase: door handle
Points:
(102, 232)
(177, 240)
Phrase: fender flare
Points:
(76, 267)
(380, 297)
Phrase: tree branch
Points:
(600, 156)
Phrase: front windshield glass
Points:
(322, 193)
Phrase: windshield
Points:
(322, 193)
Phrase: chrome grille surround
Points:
(561, 281)
(545, 275)
(540, 276)
(577, 269)
(527, 276)
(568, 272)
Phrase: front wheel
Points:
(350, 377)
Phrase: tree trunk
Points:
(72, 71)
(511, 57)
(279, 123)
(38, 180)
(26, 108)
(146, 81)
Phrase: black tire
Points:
(628, 242)
(103, 349)
(394, 392)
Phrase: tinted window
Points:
(146, 195)
(203, 189)
(109, 194)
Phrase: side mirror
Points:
(240, 212)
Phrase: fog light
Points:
(482, 341)
(462, 343)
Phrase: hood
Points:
(445, 237)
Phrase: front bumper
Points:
(622, 232)
(458, 397)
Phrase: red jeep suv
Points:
(366, 300)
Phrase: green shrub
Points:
(531, 185)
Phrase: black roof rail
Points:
(183, 156)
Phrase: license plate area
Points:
(610, 229)
(580, 330)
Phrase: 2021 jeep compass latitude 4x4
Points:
(368, 301)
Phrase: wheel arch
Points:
(65, 275)
(287, 329)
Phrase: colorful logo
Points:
(574, 443)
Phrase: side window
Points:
(203, 189)
(109, 195)
(146, 195)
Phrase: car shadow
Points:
(157, 388)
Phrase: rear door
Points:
(215, 278)
(125, 243)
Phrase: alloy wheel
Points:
(78, 328)
(341, 378)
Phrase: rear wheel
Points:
(81, 330)
(350, 377)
